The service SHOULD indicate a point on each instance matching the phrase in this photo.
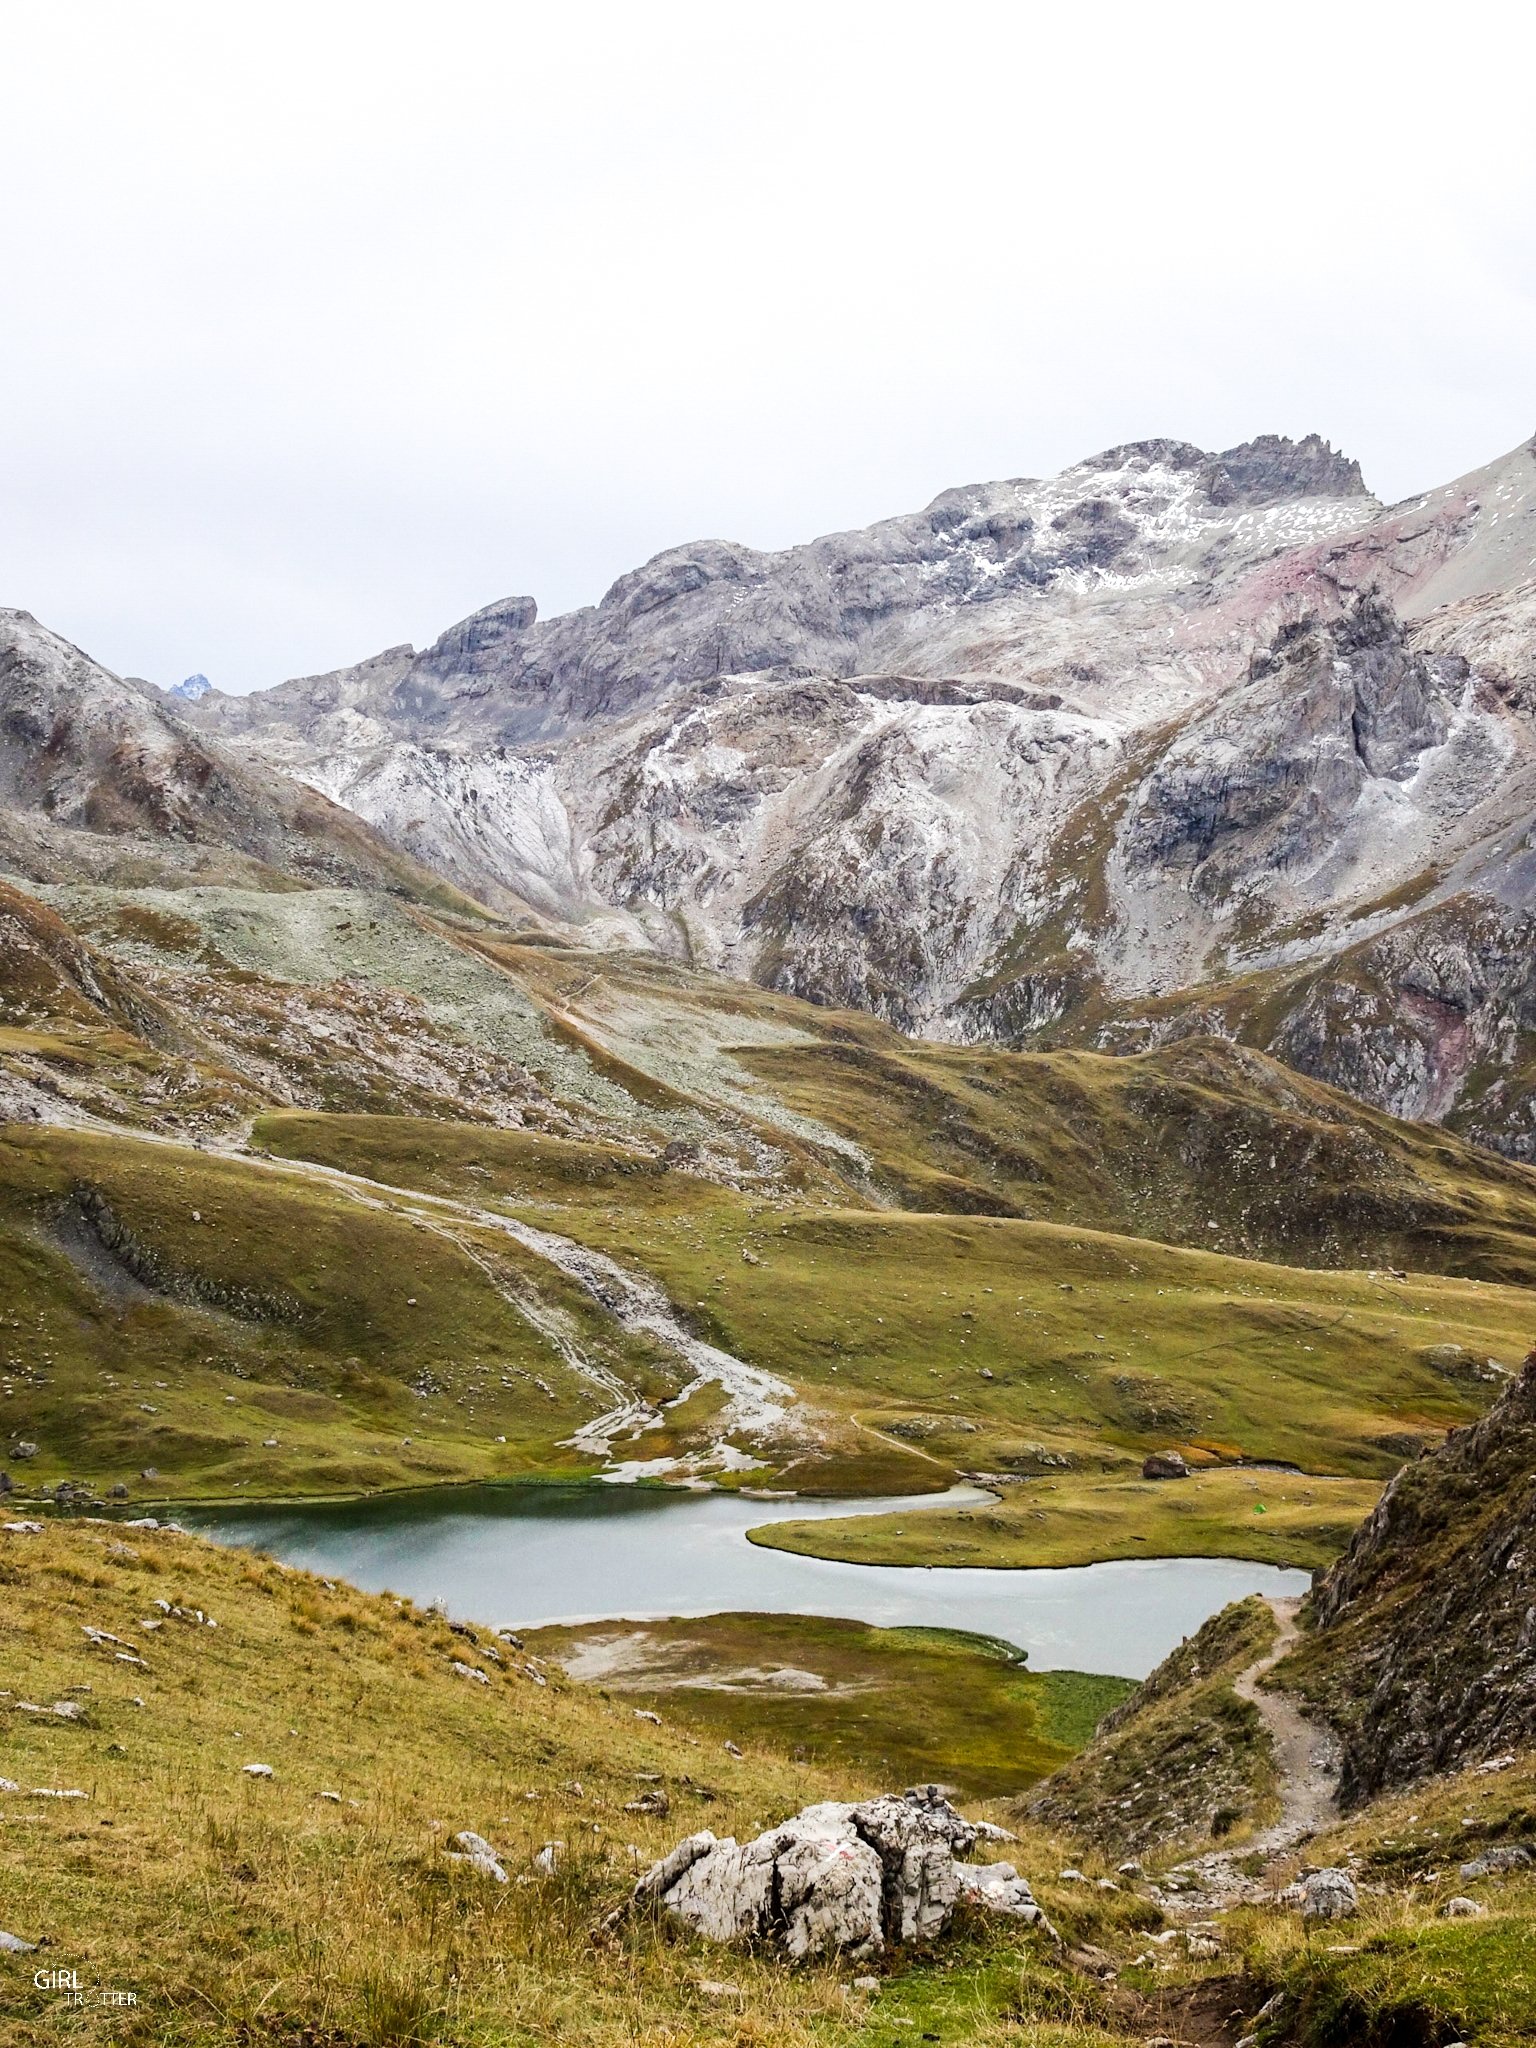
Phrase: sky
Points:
(325, 325)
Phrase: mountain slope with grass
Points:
(320, 1902)
(1036, 1267)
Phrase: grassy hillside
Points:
(966, 1260)
(175, 1311)
(1057, 1356)
(1201, 1143)
(317, 1907)
(234, 1329)
(1182, 1763)
(1185, 1766)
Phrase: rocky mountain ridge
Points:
(1171, 743)
(1426, 1647)
(1048, 762)
(102, 779)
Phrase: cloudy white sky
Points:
(327, 324)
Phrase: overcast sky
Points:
(324, 325)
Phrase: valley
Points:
(791, 1182)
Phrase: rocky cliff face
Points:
(102, 778)
(1044, 761)
(1426, 1653)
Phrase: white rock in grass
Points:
(645, 1714)
(1329, 1895)
(835, 1879)
(13, 1945)
(258, 1770)
(999, 1888)
(477, 1852)
(461, 1670)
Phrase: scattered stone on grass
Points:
(1505, 1856)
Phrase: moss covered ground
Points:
(896, 1705)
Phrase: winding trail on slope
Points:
(1306, 1752)
(1307, 1760)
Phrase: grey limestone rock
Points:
(836, 1879)
(1328, 1895)
(1504, 1856)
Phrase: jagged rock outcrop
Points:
(1425, 1656)
(102, 779)
(1266, 783)
(837, 1879)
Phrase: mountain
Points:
(102, 780)
(1175, 741)
(190, 688)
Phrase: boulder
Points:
(1328, 1895)
(23, 1450)
(13, 1945)
(836, 1879)
(1462, 1909)
(918, 1838)
(1505, 1856)
(1164, 1465)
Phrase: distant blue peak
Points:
(193, 688)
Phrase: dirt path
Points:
(1306, 1752)
(1306, 1756)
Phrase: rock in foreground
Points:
(837, 1879)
